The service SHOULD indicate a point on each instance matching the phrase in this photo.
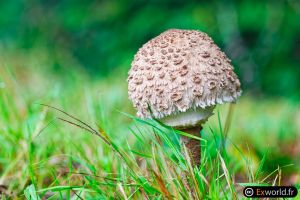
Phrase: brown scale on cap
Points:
(186, 69)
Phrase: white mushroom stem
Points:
(190, 122)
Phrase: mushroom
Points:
(179, 77)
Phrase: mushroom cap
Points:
(179, 71)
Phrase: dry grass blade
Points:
(71, 116)
(195, 192)
(102, 177)
(84, 128)
(122, 191)
(227, 176)
(276, 170)
(162, 186)
(77, 125)
(87, 127)
(77, 195)
(45, 127)
(274, 181)
(279, 176)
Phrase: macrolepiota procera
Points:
(178, 78)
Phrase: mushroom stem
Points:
(193, 146)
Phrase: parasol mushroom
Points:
(179, 77)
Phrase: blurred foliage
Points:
(261, 37)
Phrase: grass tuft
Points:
(125, 157)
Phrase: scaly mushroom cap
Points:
(179, 71)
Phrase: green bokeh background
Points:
(261, 37)
(75, 55)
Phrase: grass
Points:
(48, 154)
